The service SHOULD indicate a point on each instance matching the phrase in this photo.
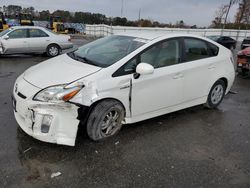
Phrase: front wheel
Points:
(105, 120)
(53, 50)
(216, 94)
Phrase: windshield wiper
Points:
(82, 59)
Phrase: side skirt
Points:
(167, 110)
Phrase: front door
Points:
(163, 88)
(17, 42)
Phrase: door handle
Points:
(125, 87)
(178, 75)
(211, 67)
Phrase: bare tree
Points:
(231, 3)
(220, 16)
(243, 13)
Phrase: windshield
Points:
(5, 31)
(106, 51)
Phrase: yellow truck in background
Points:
(3, 23)
(57, 25)
(25, 19)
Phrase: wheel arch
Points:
(84, 111)
(225, 81)
(54, 44)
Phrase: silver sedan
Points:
(32, 39)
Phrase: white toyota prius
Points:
(120, 79)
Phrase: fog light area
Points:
(46, 122)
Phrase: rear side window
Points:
(18, 33)
(37, 33)
(196, 49)
(214, 50)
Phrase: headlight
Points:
(57, 93)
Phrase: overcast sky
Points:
(199, 12)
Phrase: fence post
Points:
(112, 30)
(221, 33)
(237, 36)
(205, 33)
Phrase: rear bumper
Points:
(230, 78)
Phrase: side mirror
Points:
(6, 37)
(144, 69)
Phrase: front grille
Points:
(21, 95)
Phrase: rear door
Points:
(38, 40)
(199, 67)
(17, 42)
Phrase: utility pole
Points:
(122, 9)
(139, 18)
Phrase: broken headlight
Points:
(57, 93)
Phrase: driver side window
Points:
(163, 54)
(18, 33)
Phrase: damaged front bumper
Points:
(48, 122)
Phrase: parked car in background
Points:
(120, 79)
(228, 42)
(245, 43)
(31, 39)
(243, 61)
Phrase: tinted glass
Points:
(18, 33)
(162, 54)
(195, 49)
(36, 33)
(214, 50)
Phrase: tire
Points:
(244, 72)
(53, 50)
(105, 120)
(216, 94)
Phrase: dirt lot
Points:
(195, 147)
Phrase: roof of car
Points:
(154, 35)
(27, 27)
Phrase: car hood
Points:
(59, 70)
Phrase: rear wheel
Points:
(216, 94)
(105, 120)
(53, 50)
